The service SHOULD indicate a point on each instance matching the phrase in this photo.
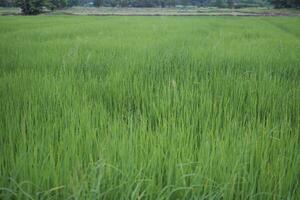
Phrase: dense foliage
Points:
(150, 108)
(7, 3)
(286, 3)
(37, 6)
(31, 7)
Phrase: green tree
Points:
(184, 2)
(6, 3)
(73, 3)
(230, 3)
(53, 4)
(286, 3)
(98, 3)
(31, 7)
(220, 3)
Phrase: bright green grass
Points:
(149, 108)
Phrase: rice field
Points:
(149, 107)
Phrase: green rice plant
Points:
(149, 107)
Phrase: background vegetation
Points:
(38, 6)
(149, 107)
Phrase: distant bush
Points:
(286, 3)
(31, 7)
(34, 7)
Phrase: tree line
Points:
(31, 7)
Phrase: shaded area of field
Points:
(149, 107)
